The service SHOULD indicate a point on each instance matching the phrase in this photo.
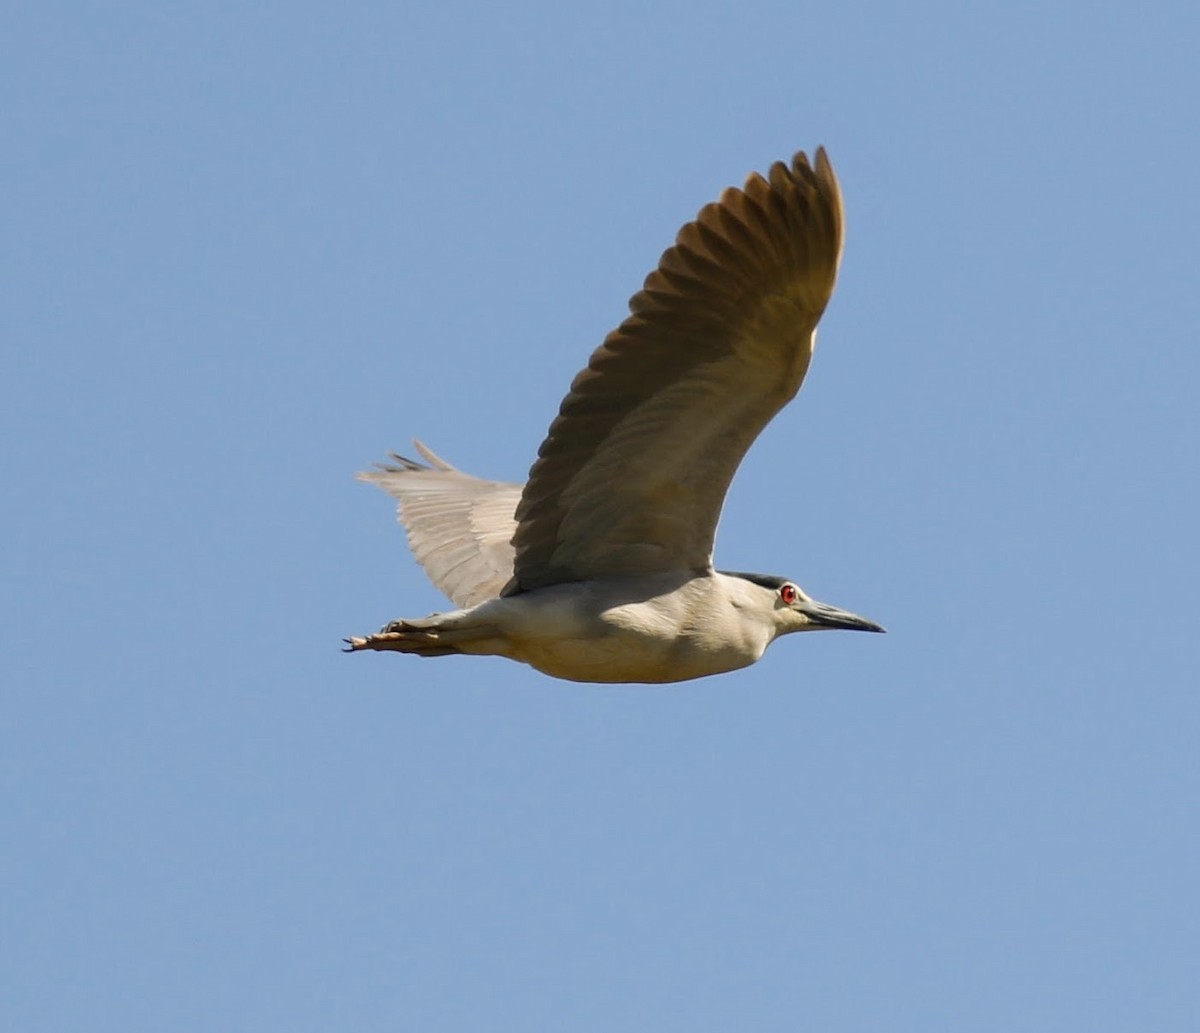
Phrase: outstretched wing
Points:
(633, 472)
(460, 528)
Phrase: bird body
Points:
(599, 568)
(654, 629)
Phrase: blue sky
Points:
(250, 248)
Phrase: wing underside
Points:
(460, 527)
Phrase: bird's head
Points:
(792, 609)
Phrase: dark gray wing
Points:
(633, 472)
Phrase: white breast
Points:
(684, 627)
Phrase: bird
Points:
(599, 568)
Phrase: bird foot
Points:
(382, 640)
(399, 636)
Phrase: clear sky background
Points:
(248, 248)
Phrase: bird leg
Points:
(402, 637)
(440, 634)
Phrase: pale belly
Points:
(651, 652)
(617, 659)
(680, 628)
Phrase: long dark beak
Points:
(831, 617)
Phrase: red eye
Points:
(789, 594)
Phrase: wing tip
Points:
(402, 464)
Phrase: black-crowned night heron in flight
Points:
(599, 568)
